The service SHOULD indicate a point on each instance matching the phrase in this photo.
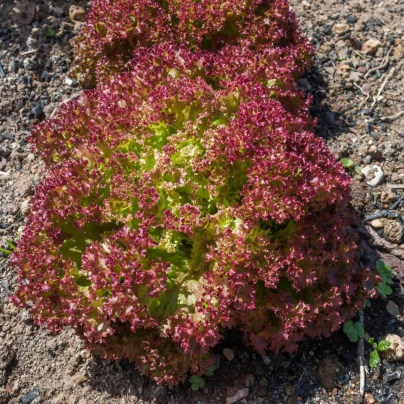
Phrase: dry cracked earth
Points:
(357, 86)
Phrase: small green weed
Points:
(12, 247)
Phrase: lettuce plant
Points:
(187, 195)
(116, 28)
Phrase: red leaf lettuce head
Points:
(188, 195)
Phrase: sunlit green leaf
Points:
(374, 359)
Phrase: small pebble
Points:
(37, 110)
(351, 19)
(228, 354)
(30, 396)
(367, 160)
(13, 66)
(391, 376)
(343, 379)
(239, 395)
(80, 379)
(377, 224)
(339, 29)
(393, 231)
(369, 399)
(371, 46)
(368, 127)
(374, 174)
(392, 308)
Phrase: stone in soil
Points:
(377, 224)
(393, 231)
(391, 376)
(340, 29)
(396, 350)
(387, 196)
(228, 354)
(266, 359)
(369, 399)
(399, 51)
(37, 111)
(371, 46)
(397, 264)
(393, 309)
(374, 174)
(239, 395)
(80, 379)
(25, 207)
(30, 396)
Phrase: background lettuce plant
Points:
(186, 194)
(117, 28)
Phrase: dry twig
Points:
(389, 75)
(398, 186)
(360, 88)
(357, 134)
(392, 117)
(29, 52)
(365, 100)
(384, 64)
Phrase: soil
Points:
(357, 106)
